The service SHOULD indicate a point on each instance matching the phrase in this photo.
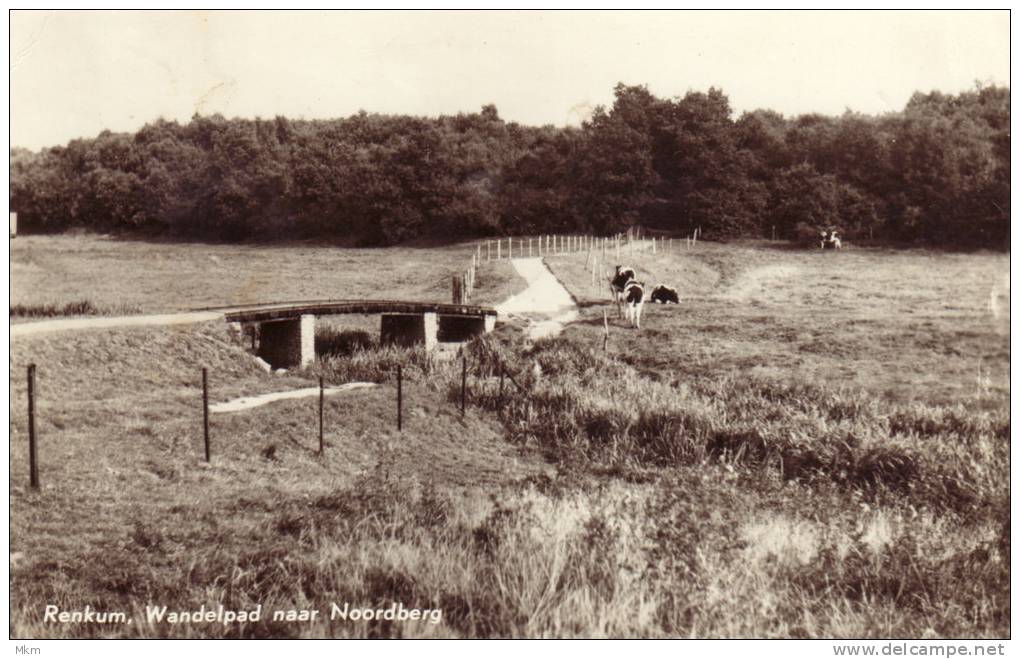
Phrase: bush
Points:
(806, 235)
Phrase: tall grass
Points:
(689, 555)
(590, 406)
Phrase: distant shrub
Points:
(806, 235)
(80, 308)
(77, 308)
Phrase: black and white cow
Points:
(830, 240)
(663, 294)
(624, 274)
(634, 300)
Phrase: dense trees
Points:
(937, 172)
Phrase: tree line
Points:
(936, 172)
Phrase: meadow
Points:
(810, 445)
(90, 274)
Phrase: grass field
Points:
(810, 445)
(65, 273)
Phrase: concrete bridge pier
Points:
(288, 343)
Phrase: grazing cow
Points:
(831, 241)
(634, 299)
(663, 294)
(623, 275)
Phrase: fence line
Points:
(501, 366)
(597, 250)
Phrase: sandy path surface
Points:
(545, 304)
(65, 324)
(248, 402)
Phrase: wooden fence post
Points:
(457, 289)
(463, 385)
(322, 397)
(33, 465)
(400, 398)
(499, 249)
(488, 250)
(205, 411)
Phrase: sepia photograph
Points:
(516, 324)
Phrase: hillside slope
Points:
(119, 421)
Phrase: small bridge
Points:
(287, 329)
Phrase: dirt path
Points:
(248, 402)
(66, 324)
(545, 304)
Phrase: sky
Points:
(74, 74)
